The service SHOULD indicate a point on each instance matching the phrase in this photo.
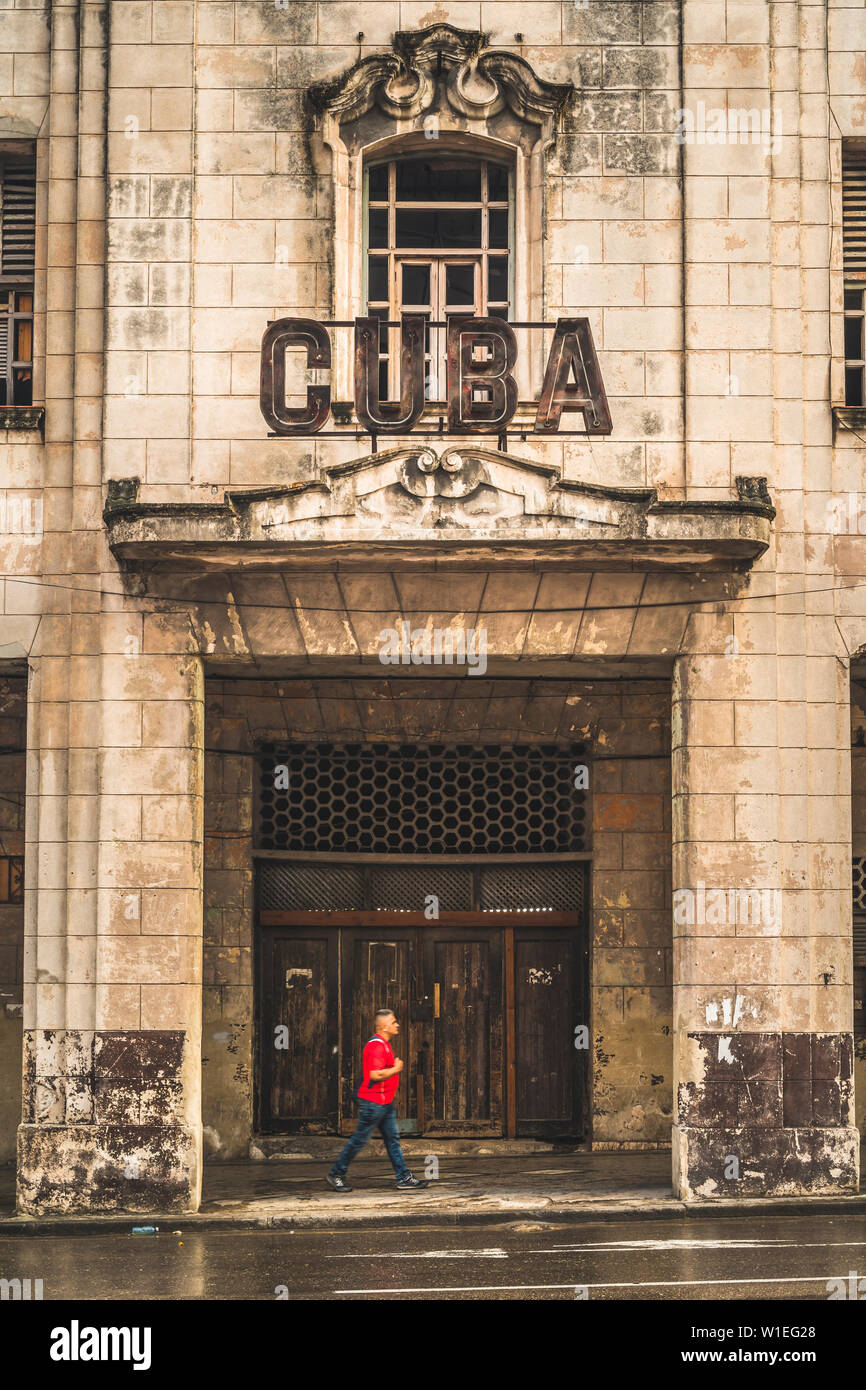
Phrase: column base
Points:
(66, 1169)
(762, 1161)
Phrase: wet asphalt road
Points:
(732, 1258)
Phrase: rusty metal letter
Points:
(389, 417)
(572, 349)
(466, 374)
(279, 336)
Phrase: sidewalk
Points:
(536, 1187)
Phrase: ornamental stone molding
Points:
(477, 81)
(412, 504)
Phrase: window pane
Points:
(854, 386)
(854, 339)
(379, 183)
(497, 183)
(23, 340)
(438, 181)
(383, 380)
(23, 387)
(378, 278)
(378, 227)
(498, 227)
(415, 284)
(440, 227)
(854, 299)
(497, 279)
(382, 316)
(460, 284)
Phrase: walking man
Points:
(376, 1097)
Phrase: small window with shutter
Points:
(854, 257)
(17, 260)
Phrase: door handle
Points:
(436, 1001)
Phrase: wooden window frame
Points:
(856, 364)
(12, 289)
(396, 256)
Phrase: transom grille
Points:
(534, 887)
(286, 886)
(430, 799)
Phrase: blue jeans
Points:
(370, 1117)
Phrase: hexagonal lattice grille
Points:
(428, 799)
(859, 884)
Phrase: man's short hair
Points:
(383, 1013)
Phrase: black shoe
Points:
(409, 1184)
(337, 1183)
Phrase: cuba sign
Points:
(481, 387)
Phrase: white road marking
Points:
(492, 1254)
(621, 1245)
(645, 1284)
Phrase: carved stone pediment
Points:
(456, 504)
(476, 81)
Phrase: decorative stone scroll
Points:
(477, 82)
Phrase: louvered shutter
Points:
(854, 212)
(18, 219)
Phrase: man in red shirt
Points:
(376, 1098)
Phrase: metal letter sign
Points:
(384, 417)
(286, 333)
(482, 388)
(466, 374)
(573, 351)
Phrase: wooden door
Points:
(550, 1073)
(465, 968)
(379, 971)
(298, 1040)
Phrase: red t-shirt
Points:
(377, 1056)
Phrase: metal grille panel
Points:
(860, 936)
(859, 884)
(532, 887)
(431, 799)
(286, 887)
(299, 887)
(406, 889)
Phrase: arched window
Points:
(438, 233)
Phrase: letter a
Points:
(572, 352)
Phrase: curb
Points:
(666, 1209)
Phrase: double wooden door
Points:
(487, 1017)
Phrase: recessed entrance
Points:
(488, 998)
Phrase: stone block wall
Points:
(13, 738)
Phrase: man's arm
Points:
(385, 1072)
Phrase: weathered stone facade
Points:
(688, 594)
